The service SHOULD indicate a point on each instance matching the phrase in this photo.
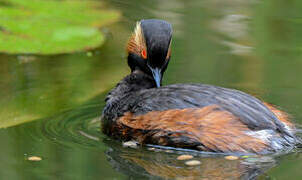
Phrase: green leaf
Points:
(51, 27)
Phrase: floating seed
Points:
(184, 157)
(231, 157)
(131, 144)
(34, 158)
(193, 163)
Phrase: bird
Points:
(193, 116)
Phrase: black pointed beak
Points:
(156, 72)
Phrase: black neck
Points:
(135, 81)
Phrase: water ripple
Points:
(76, 127)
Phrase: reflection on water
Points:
(71, 145)
(254, 46)
(163, 164)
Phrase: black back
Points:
(250, 110)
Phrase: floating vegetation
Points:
(52, 27)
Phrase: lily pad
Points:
(52, 27)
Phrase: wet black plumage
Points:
(139, 95)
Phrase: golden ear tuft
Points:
(138, 33)
(169, 50)
(169, 53)
(136, 43)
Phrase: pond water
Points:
(251, 45)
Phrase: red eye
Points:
(144, 54)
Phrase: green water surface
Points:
(50, 105)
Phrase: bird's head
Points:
(149, 48)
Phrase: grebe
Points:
(194, 116)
